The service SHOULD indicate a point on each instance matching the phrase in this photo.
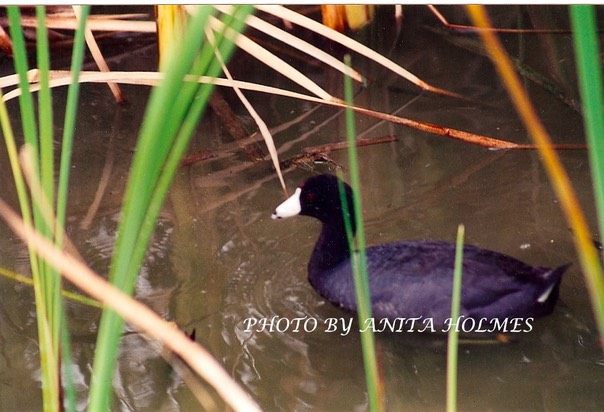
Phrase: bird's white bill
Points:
(290, 207)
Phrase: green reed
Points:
(589, 70)
(453, 335)
(38, 135)
(174, 108)
(173, 112)
(359, 257)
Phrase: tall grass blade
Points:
(26, 102)
(45, 107)
(77, 57)
(359, 258)
(589, 68)
(50, 278)
(45, 279)
(172, 114)
(586, 252)
(453, 336)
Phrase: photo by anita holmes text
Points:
(343, 326)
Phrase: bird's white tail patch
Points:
(546, 294)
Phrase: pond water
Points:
(218, 259)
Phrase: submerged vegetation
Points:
(191, 69)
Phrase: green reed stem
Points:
(359, 259)
(589, 70)
(73, 92)
(46, 280)
(172, 113)
(587, 52)
(45, 119)
(189, 113)
(20, 61)
(154, 143)
(453, 335)
(51, 278)
(77, 58)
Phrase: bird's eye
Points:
(309, 196)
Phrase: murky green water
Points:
(218, 259)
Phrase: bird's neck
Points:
(330, 250)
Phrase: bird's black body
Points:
(414, 278)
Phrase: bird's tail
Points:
(548, 294)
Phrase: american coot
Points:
(413, 279)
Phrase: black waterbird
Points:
(411, 279)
